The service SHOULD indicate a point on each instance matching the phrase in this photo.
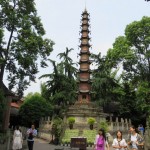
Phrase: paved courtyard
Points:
(44, 145)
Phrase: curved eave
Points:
(85, 30)
(85, 12)
(84, 80)
(84, 62)
(84, 91)
(85, 37)
(85, 23)
(87, 44)
(84, 70)
(84, 52)
(85, 18)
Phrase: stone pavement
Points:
(40, 144)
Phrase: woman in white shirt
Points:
(17, 139)
(135, 140)
(119, 143)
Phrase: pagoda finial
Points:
(85, 6)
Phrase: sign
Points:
(78, 142)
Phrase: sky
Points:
(108, 19)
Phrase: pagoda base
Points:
(81, 111)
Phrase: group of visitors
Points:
(134, 142)
(18, 139)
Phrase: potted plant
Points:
(71, 121)
(57, 127)
(104, 125)
(91, 122)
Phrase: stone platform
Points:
(81, 111)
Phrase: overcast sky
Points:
(108, 19)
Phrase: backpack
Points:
(100, 142)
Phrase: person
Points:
(32, 132)
(135, 140)
(100, 141)
(119, 143)
(17, 139)
(141, 129)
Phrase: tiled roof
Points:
(15, 105)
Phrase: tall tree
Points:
(60, 89)
(67, 63)
(103, 80)
(24, 43)
(132, 51)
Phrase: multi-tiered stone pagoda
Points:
(84, 71)
(84, 107)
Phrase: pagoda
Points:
(84, 71)
(84, 108)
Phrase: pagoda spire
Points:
(84, 87)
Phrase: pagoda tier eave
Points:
(85, 30)
(84, 70)
(84, 37)
(85, 12)
(81, 91)
(84, 80)
(86, 18)
(87, 61)
(84, 52)
(87, 44)
(84, 25)
(84, 91)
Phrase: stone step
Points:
(80, 133)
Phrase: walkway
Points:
(44, 145)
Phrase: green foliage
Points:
(69, 134)
(60, 89)
(143, 94)
(91, 120)
(131, 53)
(33, 108)
(71, 120)
(103, 81)
(104, 125)
(24, 43)
(57, 126)
(90, 135)
(57, 121)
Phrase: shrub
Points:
(91, 121)
(104, 125)
(71, 120)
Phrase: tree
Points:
(132, 51)
(60, 89)
(33, 108)
(67, 63)
(103, 81)
(2, 106)
(24, 43)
